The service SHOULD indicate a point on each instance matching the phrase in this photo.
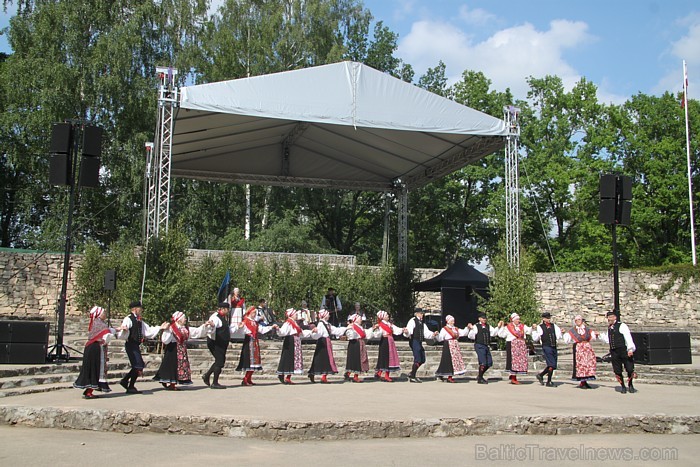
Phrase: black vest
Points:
(617, 340)
(418, 330)
(223, 334)
(483, 334)
(330, 303)
(136, 331)
(549, 335)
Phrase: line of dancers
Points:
(175, 369)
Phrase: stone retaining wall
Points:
(30, 284)
(282, 430)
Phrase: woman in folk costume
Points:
(291, 360)
(323, 362)
(516, 347)
(388, 359)
(250, 360)
(357, 361)
(451, 362)
(581, 336)
(93, 373)
(175, 366)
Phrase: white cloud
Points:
(476, 16)
(686, 48)
(507, 57)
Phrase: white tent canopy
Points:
(343, 125)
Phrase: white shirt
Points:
(168, 335)
(493, 332)
(148, 332)
(537, 332)
(288, 330)
(338, 305)
(321, 330)
(580, 330)
(411, 325)
(446, 336)
(380, 332)
(625, 331)
(211, 331)
(504, 333)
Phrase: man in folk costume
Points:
(291, 359)
(451, 362)
(482, 333)
(237, 303)
(388, 357)
(93, 373)
(548, 333)
(323, 362)
(218, 338)
(135, 331)
(250, 360)
(417, 331)
(581, 336)
(331, 302)
(621, 350)
(357, 361)
(516, 347)
(175, 366)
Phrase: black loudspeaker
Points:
(61, 138)
(90, 172)
(92, 141)
(625, 213)
(59, 169)
(110, 279)
(662, 348)
(606, 212)
(625, 187)
(608, 185)
(27, 332)
(22, 353)
(681, 356)
(654, 357)
(679, 340)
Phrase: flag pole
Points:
(687, 146)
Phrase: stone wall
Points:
(30, 284)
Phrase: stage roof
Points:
(344, 125)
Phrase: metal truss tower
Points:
(510, 115)
(157, 187)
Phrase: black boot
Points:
(631, 388)
(549, 378)
(623, 388)
(480, 379)
(215, 384)
(206, 376)
(540, 376)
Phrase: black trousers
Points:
(218, 352)
(619, 359)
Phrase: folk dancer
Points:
(250, 360)
(388, 357)
(331, 302)
(417, 331)
(482, 333)
(323, 362)
(358, 311)
(516, 347)
(548, 333)
(218, 338)
(581, 336)
(135, 331)
(621, 350)
(175, 366)
(304, 315)
(93, 373)
(451, 362)
(237, 303)
(356, 361)
(291, 360)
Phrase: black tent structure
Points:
(459, 286)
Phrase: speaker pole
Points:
(616, 273)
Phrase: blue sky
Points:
(623, 46)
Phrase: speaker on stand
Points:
(110, 284)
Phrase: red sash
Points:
(294, 324)
(359, 330)
(386, 328)
(97, 337)
(252, 326)
(180, 334)
(454, 334)
(518, 332)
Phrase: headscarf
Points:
(448, 318)
(177, 315)
(578, 317)
(323, 314)
(381, 315)
(181, 333)
(289, 313)
(95, 313)
(97, 328)
(514, 316)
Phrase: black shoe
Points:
(124, 384)
(413, 379)
(205, 378)
(217, 386)
(281, 378)
(540, 379)
(312, 379)
(549, 384)
(623, 390)
(418, 380)
(346, 376)
(631, 389)
(132, 390)
(586, 385)
(481, 380)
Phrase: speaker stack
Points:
(662, 348)
(23, 341)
